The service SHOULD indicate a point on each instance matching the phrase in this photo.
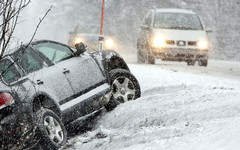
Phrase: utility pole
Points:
(102, 18)
(101, 38)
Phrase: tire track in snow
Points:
(167, 89)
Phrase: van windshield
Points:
(180, 21)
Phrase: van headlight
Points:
(158, 41)
(202, 44)
(109, 43)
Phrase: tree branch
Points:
(25, 46)
(40, 21)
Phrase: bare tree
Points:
(9, 14)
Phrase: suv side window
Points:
(29, 60)
(147, 19)
(53, 51)
(8, 71)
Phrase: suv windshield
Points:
(180, 21)
(54, 52)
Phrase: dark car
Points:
(46, 85)
(89, 34)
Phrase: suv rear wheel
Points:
(50, 130)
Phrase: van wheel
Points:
(203, 63)
(50, 130)
(151, 59)
(190, 62)
(140, 57)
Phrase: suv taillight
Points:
(6, 99)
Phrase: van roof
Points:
(175, 10)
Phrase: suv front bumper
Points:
(179, 54)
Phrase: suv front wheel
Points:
(125, 87)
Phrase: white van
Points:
(172, 34)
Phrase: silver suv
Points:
(46, 85)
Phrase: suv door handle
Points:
(39, 82)
(66, 71)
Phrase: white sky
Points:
(30, 18)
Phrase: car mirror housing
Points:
(81, 48)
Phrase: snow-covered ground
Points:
(182, 108)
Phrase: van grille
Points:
(192, 43)
(181, 43)
(170, 42)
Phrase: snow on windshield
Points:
(177, 21)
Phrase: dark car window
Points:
(54, 52)
(29, 60)
(8, 71)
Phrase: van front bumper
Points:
(180, 54)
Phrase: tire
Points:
(125, 87)
(140, 57)
(151, 59)
(147, 54)
(190, 62)
(203, 62)
(50, 131)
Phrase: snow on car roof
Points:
(174, 10)
(11, 51)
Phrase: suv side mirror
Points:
(81, 48)
(145, 27)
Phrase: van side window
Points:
(147, 19)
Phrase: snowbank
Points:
(180, 109)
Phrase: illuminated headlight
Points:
(109, 43)
(78, 40)
(158, 41)
(202, 44)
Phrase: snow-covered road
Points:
(182, 108)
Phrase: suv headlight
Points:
(202, 44)
(158, 41)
